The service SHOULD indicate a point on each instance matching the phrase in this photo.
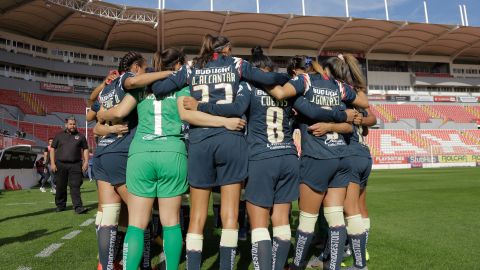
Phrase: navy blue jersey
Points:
(110, 97)
(356, 141)
(95, 106)
(178, 80)
(218, 83)
(328, 94)
(269, 121)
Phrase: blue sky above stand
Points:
(439, 11)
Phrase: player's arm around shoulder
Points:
(206, 120)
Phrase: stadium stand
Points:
(14, 98)
(454, 113)
(423, 113)
(61, 104)
(43, 131)
(420, 142)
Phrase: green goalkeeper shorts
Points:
(157, 174)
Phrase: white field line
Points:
(24, 268)
(71, 235)
(49, 250)
(87, 222)
(21, 203)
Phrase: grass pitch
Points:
(421, 219)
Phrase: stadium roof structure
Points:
(107, 26)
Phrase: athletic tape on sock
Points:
(260, 234)
(229, 238)
(334, 216)
(355, 225)
(366, 223)
(194, 241)
(98, 218)
(111, 212)
(307, 222)
(282, 232)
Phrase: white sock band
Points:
(194, 241)
(307, 221)
(111, 212)
(229, 238)
(355, 225)
(260, 234)
(334, 216)
(282, 232)
(366, 223)
(98, 218)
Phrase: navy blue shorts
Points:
(217, 161)
(273, 180)
(360, 168)
(321, 174)
(111, 168)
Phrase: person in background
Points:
(68, 159)
(49, 175)
(41, 171)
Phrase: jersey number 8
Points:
(275, 125)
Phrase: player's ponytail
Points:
(358, 79)
(346, 68)
(129, 59)
(260, 60)
(167, 59)
(205, 52)
(210, 46)
(305, 63)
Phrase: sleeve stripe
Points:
(342, 89)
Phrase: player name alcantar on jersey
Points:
(213, 75)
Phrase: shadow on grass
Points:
(44, 211)
(29, 236)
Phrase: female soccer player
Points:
(273, 170)
(110, 158)
(157, 163)
(347, 69)
(322, 167)
(215, 78)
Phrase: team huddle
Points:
(220, 123)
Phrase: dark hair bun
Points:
(257, 51)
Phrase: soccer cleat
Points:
(367, 256)
(53, 191)
(347, 252)
(315, 262)
(117, 265)
(42, 189)
(99, 266)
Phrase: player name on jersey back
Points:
(214, 75)
(325, 97)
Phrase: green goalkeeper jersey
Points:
(159, 124)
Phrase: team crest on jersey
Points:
(77, 137)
